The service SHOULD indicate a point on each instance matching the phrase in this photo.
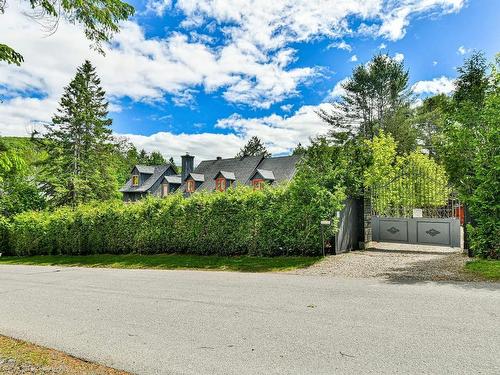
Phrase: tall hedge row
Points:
(282, 221)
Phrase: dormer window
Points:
(224, 180)
(258, 184)
(164, 190)
(220, 184)
(135, 180)
(190, 186)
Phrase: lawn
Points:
(488, 269)
(20, 357)
(169, 262)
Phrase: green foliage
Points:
(429, 121)
(20, 194)
(484, 202)
(99, 19)
(278, 221)
(335, 167)
(4, 236)
(401, 183)
(78, 144)
(254, 147)
(9, 55)
(469, 147)
(10, 161)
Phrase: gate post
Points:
(467, 221)
(367, 219)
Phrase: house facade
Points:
(210, 175)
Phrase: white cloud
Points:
(462, 50)
(434, 63)
(395, 21)
(353, 58)
(382, 46)
(399, 57)
(158, 6)
(337, 90)
(286, 107)
(280, 134)
(252, 65)
(441, 85)
(340, 45)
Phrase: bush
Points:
(4, 236)
(278, 221)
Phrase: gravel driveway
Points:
(396, 262)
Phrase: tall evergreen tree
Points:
(376, 98)
(254, 147)
(78, 141)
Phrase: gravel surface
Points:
(396, 262)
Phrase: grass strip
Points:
(168, 262)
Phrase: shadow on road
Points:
(444, 269)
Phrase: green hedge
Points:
(281, 221)
(4, 236)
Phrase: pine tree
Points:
(254, 147)
(376, 97)
(78, 141)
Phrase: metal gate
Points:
(416, 207)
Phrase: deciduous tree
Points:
(99, 19)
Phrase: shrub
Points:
(4, 236)
(277, 221)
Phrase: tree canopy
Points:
(376, 97)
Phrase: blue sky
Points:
(204, 76)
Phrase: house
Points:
(210, 175)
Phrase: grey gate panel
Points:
(425, 231)
(393, 230)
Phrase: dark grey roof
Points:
(226, 175)
(283, 167)
(198, 177)
(176, 179)
(265, 174)
(242, 168)
(158, 171)
(146, 169)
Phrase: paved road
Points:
(188, 322)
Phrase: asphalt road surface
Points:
(191, 322)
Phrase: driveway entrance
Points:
(424, 231)
(416, 207)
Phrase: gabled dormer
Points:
(146, 180)
(224, 180)
(261, 177)
(193, 181)
(140, 173)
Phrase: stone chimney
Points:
(187, 165)
(219, 157)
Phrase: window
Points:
(220, 184)
(258, 184)
(135, 180)
(164, 190)
(190, 186)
